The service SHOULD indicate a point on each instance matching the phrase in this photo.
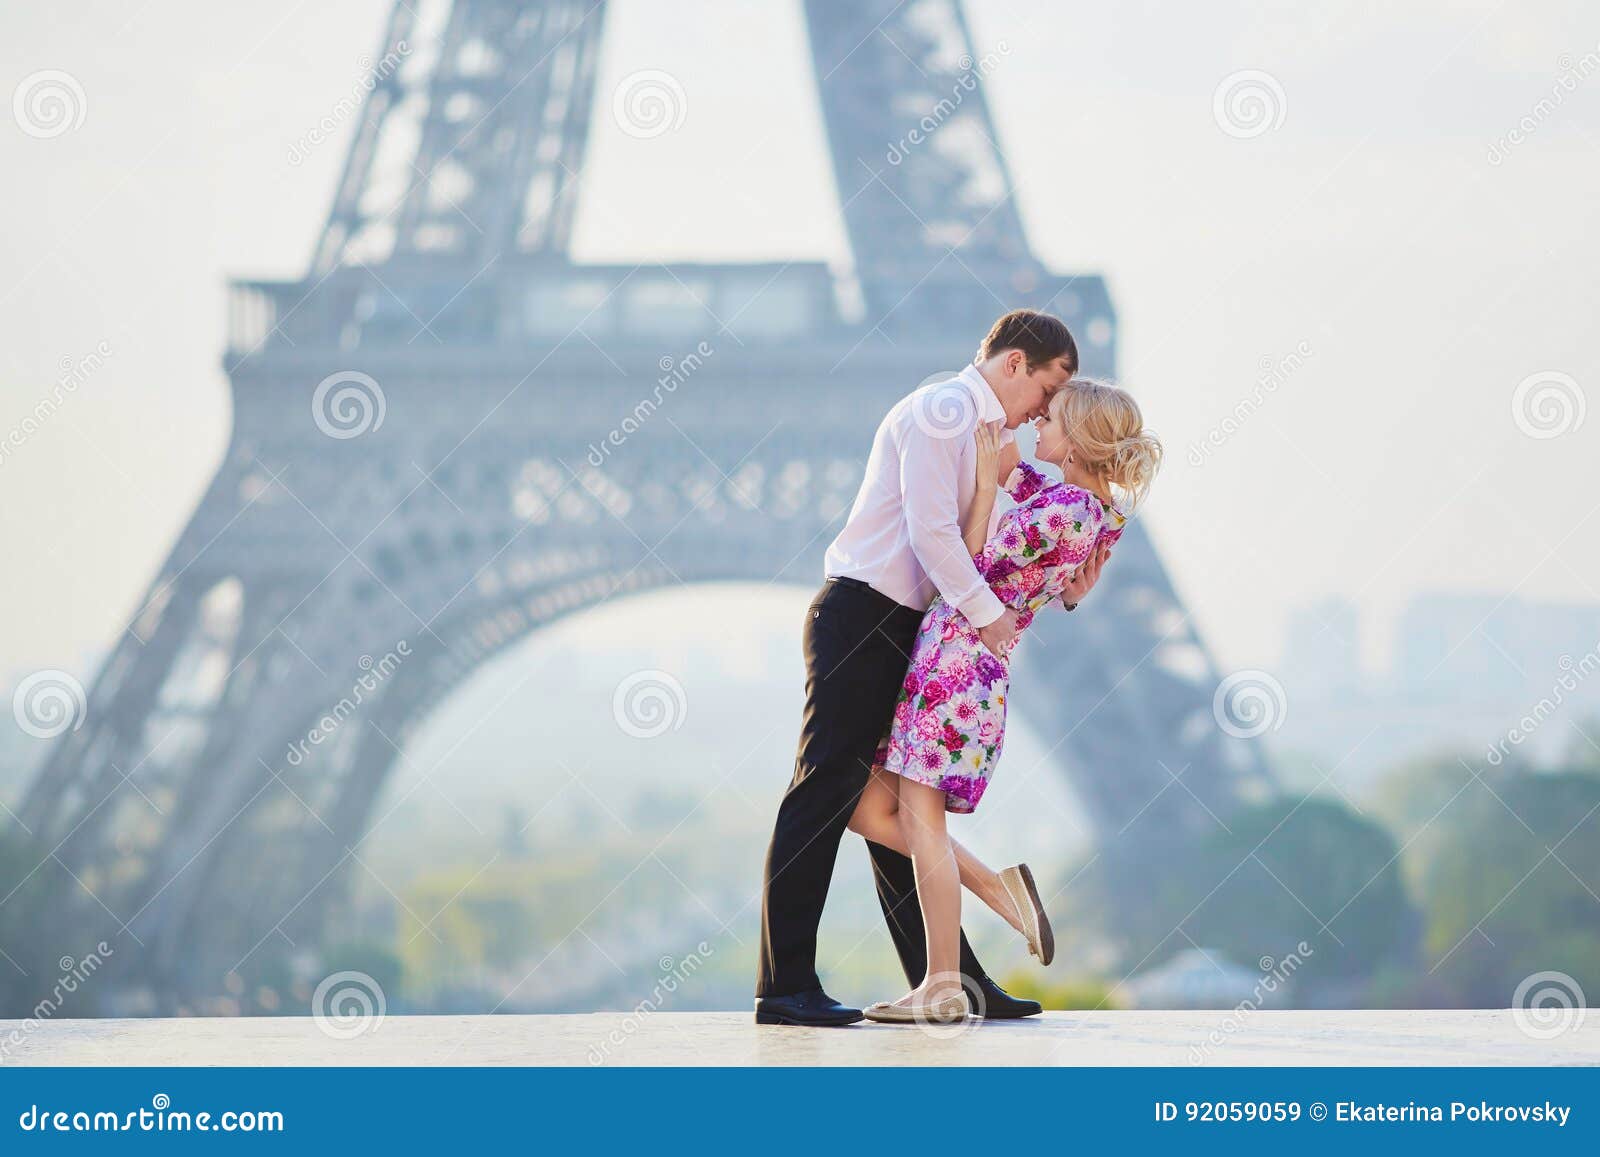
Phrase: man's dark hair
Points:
(1041, 338)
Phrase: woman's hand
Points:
(987, 439)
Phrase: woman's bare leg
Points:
(922, 824)
(876, 818)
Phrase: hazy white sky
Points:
(1369, 227)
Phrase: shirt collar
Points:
(989, 407)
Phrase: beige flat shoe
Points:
(1018, 881)
(947, 1011)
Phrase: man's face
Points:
(1035, 389)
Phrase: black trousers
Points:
(857, 649)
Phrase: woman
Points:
(949, 725)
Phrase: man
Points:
(900, 547)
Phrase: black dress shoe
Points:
(992, 1002)
(812, 1008)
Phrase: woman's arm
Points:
(975, 527)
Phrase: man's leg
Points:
(856, 644)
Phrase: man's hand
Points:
(1001, 635)
(1088, 574)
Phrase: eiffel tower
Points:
(449, 434)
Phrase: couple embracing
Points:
(907, 650)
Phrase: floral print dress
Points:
(949, 723)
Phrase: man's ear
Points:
(1014, 361)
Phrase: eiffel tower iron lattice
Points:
(430, 460)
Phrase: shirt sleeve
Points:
(929, 483)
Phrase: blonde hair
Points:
(1107, 431)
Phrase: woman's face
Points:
(1053, 441)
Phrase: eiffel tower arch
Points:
(449, 434)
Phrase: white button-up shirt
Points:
(903, 537)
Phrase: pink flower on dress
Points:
(987, 730)
(928, 727)
(934, 692)
(959, 671)
(932, 759)
(964, 709)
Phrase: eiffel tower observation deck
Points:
(449, 434)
